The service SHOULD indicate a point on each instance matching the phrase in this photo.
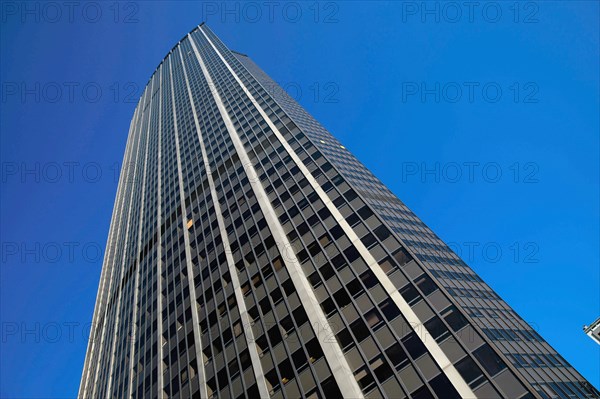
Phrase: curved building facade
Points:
(250, 254)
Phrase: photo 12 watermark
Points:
(319, 12)
(70, 172)
(471, 12)
(325, 92)
(453, 172)
(469, 92)
(70, 12)
(69, 92)
(495, 252)
(51, 252)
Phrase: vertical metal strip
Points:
(245, 317)
(125, 203)
(119, 292)
(133, 334)
(333, 353)
(106, 271)
(432, 346)
(159, 344)
(188, 257)
(97, 310)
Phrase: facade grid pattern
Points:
(251, 254)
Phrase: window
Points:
(354, 288)
(253, 312)
(410, 294)
(300, 316)
(341, 298)
(339, 262)
(265, 305)
(314, 279)
(286, 371)
(277, 264)
(256, 280)
(437, 329)
(423, 393)
(233, 367)
(368, 279)
(364, 378)
(520, 360)
(314, 350)
(414, 345)
(353, 219)
(382, 233)
(470, 372)
(336, 232)
(287, 324)
(330, 388)
(267, 271)
(454, 318)
(299, 359)
(352, 254)
(373, 318)
(397, 355)
(288, 287)
(314, 248)
(302, 256)
(381, 368)
(389, 309)
(246, 289)
(369, 240)
(443, 388)
(237, 329)
(326, 271)
(539, 362)
(324, 240)
(401, 256)
(490, 361)
(425, 284)
(365, 212)
(276, 295)
(350, 195)
(344, 338)
(387, 265)
(360, 330)
(328, 306)
(272, 379)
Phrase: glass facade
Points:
(251, 255)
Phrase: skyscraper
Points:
(251, 255)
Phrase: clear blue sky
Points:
(378, 68)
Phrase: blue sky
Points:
(483, 121)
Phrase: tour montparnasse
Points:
(250, 254)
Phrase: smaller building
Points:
(593, 330)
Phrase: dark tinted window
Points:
(490, 361)
(470, 372)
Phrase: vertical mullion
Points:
(245, 318)
(188, 258)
